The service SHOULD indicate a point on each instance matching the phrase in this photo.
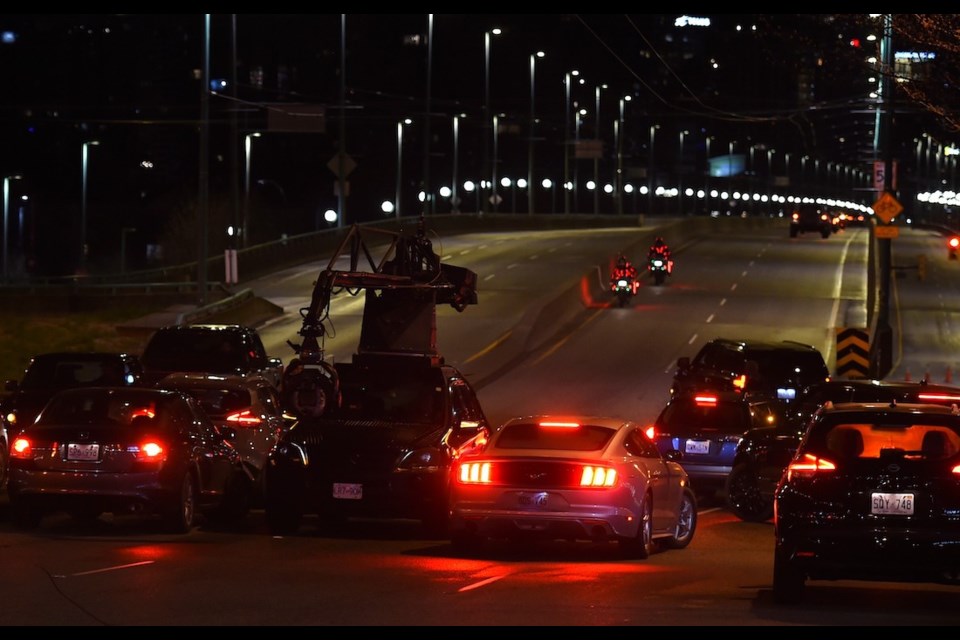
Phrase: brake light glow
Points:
(954, 242)
(809, 465)
(475, 473)
(142, 412)
(710, 401)
(956, 470)
(20, 448)
(598, 477)
(149, 451)
(651, 432)
(562, 425)
(941, 397)
(245, 418)
(740, 382)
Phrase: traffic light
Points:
(952, 245)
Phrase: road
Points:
(541, 339)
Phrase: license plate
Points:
(896, 504)
(83, 451)
(697, 446)
(347, 491)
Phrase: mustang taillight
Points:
(598, 477)
(809, 465)
(150, 451)
(20, 448)
(474, 473)
(245, 418)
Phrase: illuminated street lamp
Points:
(486, 175)
(84, 155)
(396, 202)
(566, 140)
(6, 222)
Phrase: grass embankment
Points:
(23, 335)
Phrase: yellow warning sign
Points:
(885, 231)
(887, 207)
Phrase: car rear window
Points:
(219, 402)
(210, 351)
(687, 416)
(582, 437)
(803, 367)
(930, 437)
(66, 373)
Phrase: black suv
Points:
(208, 348)
(811, 217)
(771, 368)
(386, 451)
(764, 453)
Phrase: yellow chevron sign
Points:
(853, 353)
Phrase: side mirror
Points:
(683, 363)
(674, 455)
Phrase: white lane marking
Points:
(482, 583)
(444, 258)
(512, 265)
(482, 247)
(465, 252)
(723, 302)
(489, 276)
(750, 264)
(743, 274)
(710, 318)
(534, 257)
(690, 341)
(116, 568)
(733, 287)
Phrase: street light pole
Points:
(84, 158)
(650, 170)
(6, 223)
(456, 151)
(596, 160)
(680, 177)
(619, 181)
(396, 202)
(486, 175)
(494, 196)
(247, 148)
(533, 65)
(566, 141)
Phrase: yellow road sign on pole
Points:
(887, 207)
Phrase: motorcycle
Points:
(624, 287)
(660, 267)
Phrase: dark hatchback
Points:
(701, 431)
(125, 450)
(873, 493)
(764, 452)
(385, 452)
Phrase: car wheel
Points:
(793, 232)
(744, 498)
(658, 278)
(641, 546)
(465, 541)
(236, 499)
(788, 579)
(282, 507)
(182, 513)
(686, 521)
(24, 515)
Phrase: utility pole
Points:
(883, 144)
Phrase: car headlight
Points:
(430, 459)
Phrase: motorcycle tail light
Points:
(245, 418)
(593, 476)
(475, 473)
(808, 466)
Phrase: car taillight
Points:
(938, 397)
(809, 465)
(12, 418)
(562, 425)
(651, 432)
(956, 470)
(149, 451)
(740, 382)
(245, 418)
(475, 473)
(592, 476)
(705, 401)
(796, 216)
(20, 448)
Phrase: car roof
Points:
(211, 380)
(764, 345)
(830, 408)
(893, 386)
(83, 355)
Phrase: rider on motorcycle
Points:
(624, 269)
(660, 249)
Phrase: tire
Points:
(24, 515)
(686, 522)
(621, 300)
(793, 232)
(4, 466)
(659, 277)
(236, 500)
(465, 541)
(744, 498)
(825, 233)
(180, 516)
(282, 507)
(788, 579)
(641, 546)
